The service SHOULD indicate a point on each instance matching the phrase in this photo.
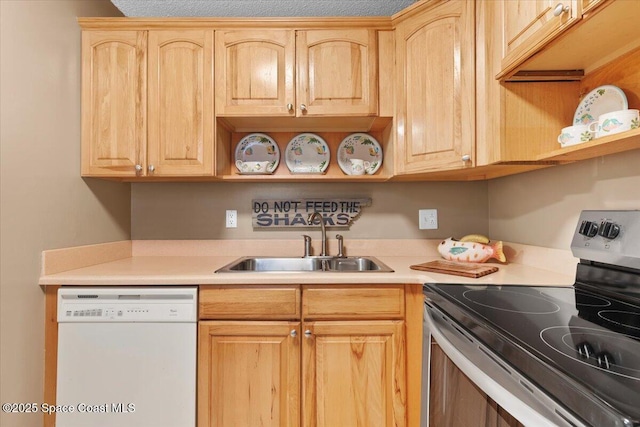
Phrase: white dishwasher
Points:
(126, 357)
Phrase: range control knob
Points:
(585, 350)
(605, 360)
(609, 230)
(588, 228)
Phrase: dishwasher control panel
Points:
(127, 305)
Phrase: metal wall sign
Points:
(286, 213)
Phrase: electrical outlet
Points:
(428, 219)
(232, 219)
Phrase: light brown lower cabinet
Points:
(353, 374)
(249, 374)
(335, 369)
(454, 400)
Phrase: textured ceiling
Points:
(260, 8)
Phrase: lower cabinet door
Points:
(353, 374)
(249, 374)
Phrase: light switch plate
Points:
(428, 219)
(232, 219)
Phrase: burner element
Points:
(623, 318)
(595, 348)
(512, 301)
(588, 300)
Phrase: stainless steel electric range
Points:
(568, 355)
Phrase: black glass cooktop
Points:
(580, 346)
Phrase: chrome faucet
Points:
(310, 220)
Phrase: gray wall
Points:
(44, 202)
(542, 207)
(538, 208)
(197, 211)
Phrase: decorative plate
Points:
(359, 146)
(307, 153)
(258, 147)
(601, 100)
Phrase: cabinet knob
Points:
(293, 333)
(290, 107)
(466, 158)
(560, 9)
(138, 169)
(303, 107)
(307, 333)
(151, 168)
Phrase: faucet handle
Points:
(307, 245)
(340, 245)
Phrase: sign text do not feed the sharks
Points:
(285, 213)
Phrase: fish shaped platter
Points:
(455, 250)
(307, 153)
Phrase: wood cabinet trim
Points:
(378, 23)
(353, 302)
(250, 302)
(50, 351)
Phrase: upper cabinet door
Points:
(436, 89)
(255, 72)
(181, 130)
(337, 72)
(529, 24)
(114, 69)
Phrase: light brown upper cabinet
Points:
(337, 72)
(435, 89)
(528, 24)
(296, 73)
(255, 72)
(147, 103)
(519, 119)
(114, 102)
(181, 121)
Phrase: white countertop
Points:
(195, 263)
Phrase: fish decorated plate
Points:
(601, 100)
(359, 146)
(307, 153)
(258, 147)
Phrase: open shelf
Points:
(612, 144)
(228, 136)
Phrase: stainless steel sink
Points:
(314, 264)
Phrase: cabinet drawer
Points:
(353, 302)
(250, 302)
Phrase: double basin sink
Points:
(306, 264)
